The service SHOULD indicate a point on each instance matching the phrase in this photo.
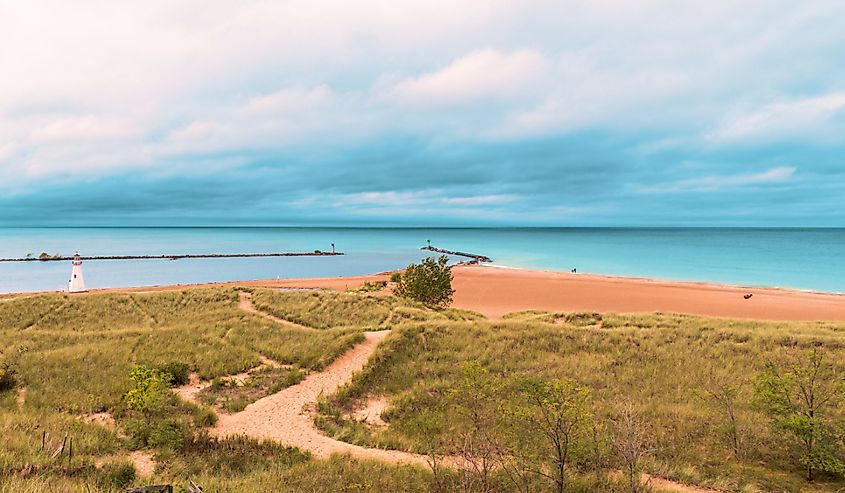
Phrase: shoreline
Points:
(496, 291)
(713, 284)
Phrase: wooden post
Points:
(61, 449)
(43, 439)
(70, 452)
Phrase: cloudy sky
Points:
(526, 112)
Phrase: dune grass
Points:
(73, 354)
(658, 362)
(327, 309)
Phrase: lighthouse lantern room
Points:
(76, 283)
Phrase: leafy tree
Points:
(429, 282)
(802, 395)
(150, 391)
(556, 411)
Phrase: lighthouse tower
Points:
(77, 283)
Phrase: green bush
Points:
(396, 277)
(116, 475)
(7, 377)
(179, 373)
(428, 282)
(204, 417)
(167, 433)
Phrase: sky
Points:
(426, 113)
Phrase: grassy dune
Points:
(661, 363)
(73, 354)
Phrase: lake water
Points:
(812, 259)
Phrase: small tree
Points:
(475, 433)
(429, 282)
(629, 440)
(556, 411)
(801, 396)
(148, 395)
(723, 392)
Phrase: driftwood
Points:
(194, 487)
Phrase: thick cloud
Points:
(506, 112)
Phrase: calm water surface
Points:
(797, 258)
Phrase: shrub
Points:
(396, 277)
(169, 434)
(116, 475)
(149, 393)
(7, 377)
(204, 417)
(371, 286)
(179, 373)
(428, 282)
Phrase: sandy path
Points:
(245, 304)
(287, 416)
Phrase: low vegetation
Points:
(623, 395)
(229, 394)
(540, 401)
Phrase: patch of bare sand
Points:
(673, 486)
(20, 399)
(144, 463)
(191, 390)
(105, 420)
(370, 412)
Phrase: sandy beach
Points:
(496, 291)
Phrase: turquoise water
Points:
(811, 259)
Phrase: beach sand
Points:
(496, 291)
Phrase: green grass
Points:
(231, 396)
(328, 309)
(656, 361)
(73, 355)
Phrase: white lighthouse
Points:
(77, 283)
